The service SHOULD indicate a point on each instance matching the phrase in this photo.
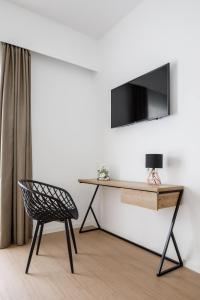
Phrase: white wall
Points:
(23, 28)
(66, 130)
(155, 33)
(71, 112)
(65, 119)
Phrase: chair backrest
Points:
(46, 202)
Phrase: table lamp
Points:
(154, 161)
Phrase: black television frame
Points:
(168, 96)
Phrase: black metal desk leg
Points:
(178, 263)
(90, 208)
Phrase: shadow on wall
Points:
(173, 88)
(173, 169)
(174, 162)
(114, 171)
(191, 207)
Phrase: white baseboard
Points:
(60, 227)
(192, 267)
(57, 228)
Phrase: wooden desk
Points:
(145, 195)
(142, 194)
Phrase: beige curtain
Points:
(15, 143)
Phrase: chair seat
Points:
(45, 217)
(74, 213)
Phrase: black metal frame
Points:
(46, 203)
(160, 272)
(39, 225)
(88, 210)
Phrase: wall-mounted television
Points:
(144, 98)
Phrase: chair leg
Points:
(32, 247)
(72, 235)
(39, 238)
(69, 246)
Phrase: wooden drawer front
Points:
(140, 198)
(149, 199)
(167, 199)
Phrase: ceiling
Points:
(91, 17)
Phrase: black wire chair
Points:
(46, 203)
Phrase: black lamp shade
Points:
(154, 161)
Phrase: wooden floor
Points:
(106, 268)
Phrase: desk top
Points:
(142, 186)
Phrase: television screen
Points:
(144, 98)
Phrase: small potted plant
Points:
(103, 173)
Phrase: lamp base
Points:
(153, 177)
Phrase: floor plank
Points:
(105, 268)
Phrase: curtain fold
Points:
(15, 143)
